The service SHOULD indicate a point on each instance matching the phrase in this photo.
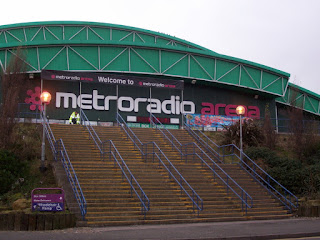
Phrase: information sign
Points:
(47, 202)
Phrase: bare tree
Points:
(269, 131)
(303, 132)
(297, 137)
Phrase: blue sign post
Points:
(47, 202)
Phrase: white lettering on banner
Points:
(66, 97)
(115, 80)
(125, 109)
(85, 100)
(148, 84)
(136, 103)
(154, 106)
(96, 98)
(67, 77)
(171, 103)
(178, 105)
(125, 103)
(107, 102)
(190, 104)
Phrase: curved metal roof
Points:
(302, 98)
(91, 46)
(73, 31)
(87, 46)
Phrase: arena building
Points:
(104, 69)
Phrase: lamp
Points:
(193, 81)
(45, 98)
(240, 110)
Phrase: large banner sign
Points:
(214, 121)
(114, 79)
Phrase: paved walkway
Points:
(271, 229)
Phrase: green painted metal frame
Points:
(86, 46)
(301, 98)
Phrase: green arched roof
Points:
(302, 98)
(87, 46)
(101, 47)
(72, 31)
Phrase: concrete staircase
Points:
(108, 195)
(264, 205)
(167, 205)
(218, 205)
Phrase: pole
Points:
(240, 138)
(117, 91)
(43, 145)
(277, 120)
(150, 108)
(80, 101)
(182, 114)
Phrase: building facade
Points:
(136, 72)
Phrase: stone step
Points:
(167, 216)
(107, 193)
(162, 221)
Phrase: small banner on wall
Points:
(113, 79)
(213, 121)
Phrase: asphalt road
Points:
(296, 228)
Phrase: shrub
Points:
(263, 153)
(288, 172)
(11, 169)
(252, 134)
(312, 179)
(27, 141)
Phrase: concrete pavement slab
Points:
(264, 229)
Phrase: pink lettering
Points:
(208, 108)
(229, 110)
(219, 105)
(253, 112)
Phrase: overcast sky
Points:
(283, 34)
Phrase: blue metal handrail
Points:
(130, 134)
(207, 143)
(60, 154)
(197, 202)
(51, 138)
(114, 153)
(245, 198)
(204, 143)
(85, 121)
(267, 181)
(179, 179)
